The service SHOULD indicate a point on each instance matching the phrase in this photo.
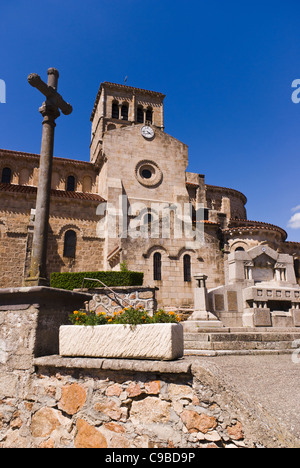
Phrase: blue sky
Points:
(226, 68)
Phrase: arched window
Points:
(6, 176)
(148, 218)
(187, 268)
(297, 267)
(111, 127)
(70, 244)
(140, 114)
(115, 110)
(124, 112)
(240, 249)
(70, 184)
(202, 214)
(149, 114)
(157, 266)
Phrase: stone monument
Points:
(50, 111)
(201, 317)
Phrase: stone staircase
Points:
(240, 341)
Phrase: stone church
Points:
(111, 211)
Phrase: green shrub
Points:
(128, 316)
(72, 281)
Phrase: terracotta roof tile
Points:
(6, 152)
(234, 191)
(54, 193)
(248, 225)
(215, 187)
(118, 85)
(206, 221)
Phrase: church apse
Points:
(266, 289)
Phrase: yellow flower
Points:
(171, 313)
(110, 320)
(75, 312)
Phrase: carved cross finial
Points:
(50, 90)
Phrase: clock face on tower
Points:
(147, 132)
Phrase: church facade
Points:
(135, 204)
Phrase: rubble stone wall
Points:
(47, 401)
(85, 403)
(116, 298)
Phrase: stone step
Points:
(200, 331)
(228, 352)
(239, 345)
(254, 337)
(236, 340)
(190, 326)
(245, 330)
(239, 336)
(197, 337)
(198, 345)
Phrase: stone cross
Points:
(50, 111)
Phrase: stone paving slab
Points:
(181, 366)
(270, 382)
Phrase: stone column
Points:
(200, 299)
(277, 275)
(201, 317)
(133, 110)
(50, 112)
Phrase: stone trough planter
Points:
(159, 341)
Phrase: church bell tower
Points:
(118, 106)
